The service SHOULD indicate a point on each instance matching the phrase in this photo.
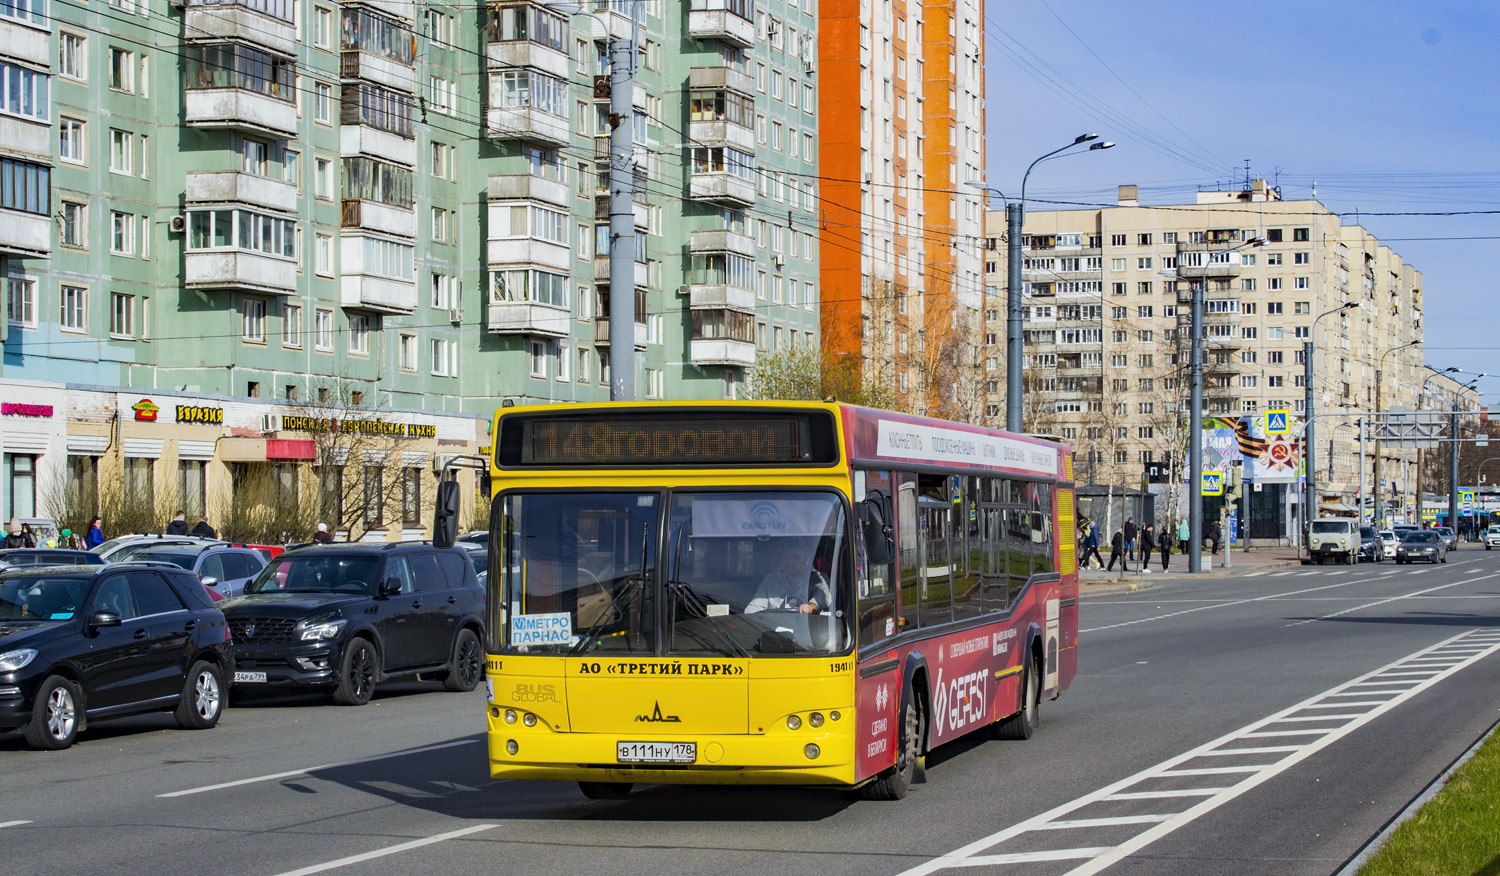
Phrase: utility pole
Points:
(1453, 466)
(1361, 471)
(1014, 219)
(622, 60)
(1309, 472)
(1195, 433)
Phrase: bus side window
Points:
(1017, 539)
(996, 572)
(936, 561)
(907, 550)
(877, 588)
(1041, 530)
(968, 558)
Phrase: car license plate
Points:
(656, 752)
(249, 678)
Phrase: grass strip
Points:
(1456, 832)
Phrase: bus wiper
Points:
(612, 614)
(697, 607)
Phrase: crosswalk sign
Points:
(1276, 422)
(1213, 483)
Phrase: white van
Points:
(1336, 537)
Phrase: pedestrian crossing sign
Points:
(1213, 483)
(1276, 422)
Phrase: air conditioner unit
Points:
(440, 461)
(270, 423)
(778, 260)
(684, 289)
(177, 224)
(456, 315)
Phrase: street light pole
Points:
(1015, 219)
(1453, 455)
(1310, 470)
(1380, 427)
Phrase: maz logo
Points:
(656, 717)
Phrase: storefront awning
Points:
(1336, 508)
(290, 448)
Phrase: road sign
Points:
(1213, 483)
(1276, 422)
(1466, 503)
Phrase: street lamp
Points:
(1453, 448)
(1380, 427)
(1195, 411)
(1309, 412)
(1015, 216)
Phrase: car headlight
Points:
(10, 661)
(320, 632)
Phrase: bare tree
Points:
(804, 374)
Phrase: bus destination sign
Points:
(710, 439)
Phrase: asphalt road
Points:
(1265, 724)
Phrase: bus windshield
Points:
(745, 573)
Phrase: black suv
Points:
(347, 616)
(84, 642)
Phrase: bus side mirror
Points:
(445, 515)
(874, 515)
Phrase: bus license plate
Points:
(656, 752)
(249, 677)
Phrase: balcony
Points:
(717, 22)
(523, 122)
(244, 110)
(405, 9)
(517, 251)
(721, 77)
(242, 270)
(616, 12)
(528, 318)
(722, 133)
(601, 332)
(231, 187)
(25, 235)
(26, 42)
(525, 53)
(722, 351)
(720, 297)
(721, 240)
(524, 186)
(374, 216)
(357, 139)
(640, 210)
(722, 188)
(382, 294)
(601, 272)
(26, 138)
(357, 64)
(234, 21)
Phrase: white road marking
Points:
(1028, 857)
(302, 772)
(13, 823)
(389, 850)
(1393, 599)
(1225, 604)
(1058, 818)
(1281, 574)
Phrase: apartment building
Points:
(402, 205)
(1107, 296)
(901, 235)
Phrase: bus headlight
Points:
(511, 747)
(812, 751)
(835, 715)
(510, 716)
(793, 722)
(529, 720)
(815, 719)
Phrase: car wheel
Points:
(202, 697)
(54, 715)
(468, 664)
(356, 674)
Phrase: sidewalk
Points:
(1258, 560)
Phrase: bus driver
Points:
(795, 586)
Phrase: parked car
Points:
(479, 537)
(225, 569)
(1491, 537)
(1388, 542)
(1333, 538)
(82, 643)
(48, 557)
(118, 550)
(1422, 544)
(1449, 536)
(268, 551)
(1371, 549)
(348, 616)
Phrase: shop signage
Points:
(200, 414)
(362, 427)
(12, 409)
(145, 410)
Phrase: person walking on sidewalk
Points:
(1148, 541)
(1130, 534)
(1165, 543)
(1091, 546)
(1116, 550)
(1183, 534)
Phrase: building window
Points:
(121, 233)
(1301, 234)
(323, 330)
(323, 182)
(224, 228)
(20, 472)
(291, 326)
(72, 140)
(72, 55)
(122, 70)
(74, 300)
(121, 151)
(411, 498)
(374, 496)
(408, 351)
(21, 301)
(323, 245)
(253, 320)
(444, 358)
(74, 225)
(539, 359)
(359, 334)
(121, 315)
(322, 103)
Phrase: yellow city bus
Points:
(767, 593)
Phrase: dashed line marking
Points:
(302, 772)
(1380, 602)
(389, 850)
(13, 823)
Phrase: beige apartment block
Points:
(1107, 296)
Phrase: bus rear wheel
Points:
(896, 781)
(605, 790)
(1024, 724)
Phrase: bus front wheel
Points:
(605, 790)
(894, 782)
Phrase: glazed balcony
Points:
(722, 188)
(236, 187)
(266, 23)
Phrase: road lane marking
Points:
(302, 772)
(1231, 603)
(1105, 822)
(990, 851)
(1030, 857)
(1381, 602)
(389, 850)
(1281, 574)
(13, 823)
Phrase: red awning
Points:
(290, 448)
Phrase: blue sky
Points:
(1391, 107)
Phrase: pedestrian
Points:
(1091, 546)
(178, 525)
(1183, 533)
(13, 537)
(1130, 534)
(322, 536)
(1214, 537)
(1116, 550)
(203, 530)
(1148, 541)
(95, 535)
(27, 535)
(1165, 543)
